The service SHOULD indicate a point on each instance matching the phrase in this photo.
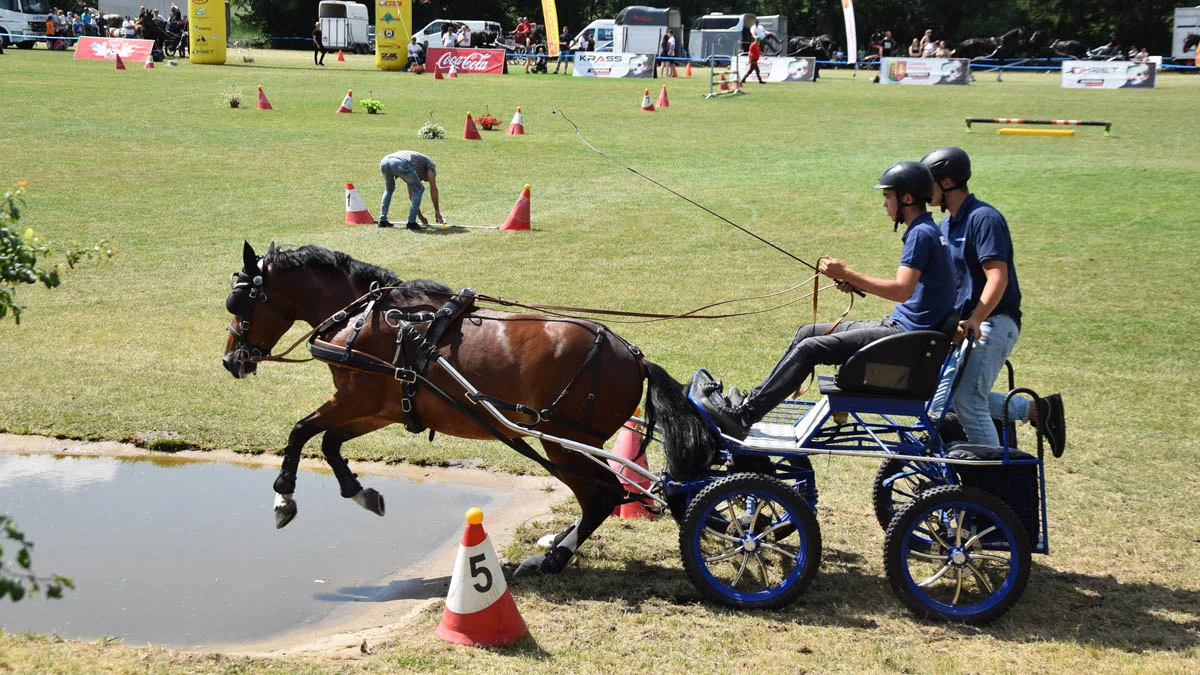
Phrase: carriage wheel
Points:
(957, 554)
(897, 483)
(749, 540)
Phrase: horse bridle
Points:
(245, 289)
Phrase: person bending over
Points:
(923, 289)
(411, 167)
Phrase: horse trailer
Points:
(640, 30)
(1187, 21)
(344, 25)
(720, 35)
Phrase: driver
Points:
(923, 289)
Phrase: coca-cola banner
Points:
(778, 68)
(613, 64)
(472, 61)
(107, 49)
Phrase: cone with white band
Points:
(480, 609)
(647, 104)
(356, 210)
(453, 71)
(517, 128)
(149, 61)
(348, 102)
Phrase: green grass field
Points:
(1106, 237)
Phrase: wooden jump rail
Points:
(1017, 120)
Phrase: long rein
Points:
(562, 311)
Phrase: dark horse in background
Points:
(823, 47)
(991, 48)
(564, 377)
(1045, 47)
(1191, 41)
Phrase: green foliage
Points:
(19, 581)
(19, 253)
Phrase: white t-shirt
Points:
(759, 31)
(464, 38)
(130, 30)
(414, 49)
(930, 48)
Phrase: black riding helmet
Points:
(952, 163)
(908, 178)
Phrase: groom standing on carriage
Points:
(924, 290)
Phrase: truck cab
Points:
(601, 30)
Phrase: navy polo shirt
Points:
(976, 234)
(932, 299)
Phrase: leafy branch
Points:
(16, 582)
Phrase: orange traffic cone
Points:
(646, 104)
(453, 70)
(437, 74)
(356, 210)
(340, 57)
(517, 128)
(347, 103)
(518, 219)
(149, 61)
(687, 71)
(662, 98)
(120, 63)
(470, 131)
(723, 86)
(480, 609)
(263, 103)
(629, 445)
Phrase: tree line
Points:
(1145, 23)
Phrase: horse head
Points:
(1190, 42)
(1036, 39)
(256, 325)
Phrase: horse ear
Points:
(249, 258)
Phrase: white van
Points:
(433, 31)
(600, 30)
(344, 25)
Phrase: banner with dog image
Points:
(924, 71)
(613, 64)
(107, 49)
(779, 68)
(1107, 75)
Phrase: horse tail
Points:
(689, 443)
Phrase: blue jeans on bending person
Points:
(393, 168)
(974, 401)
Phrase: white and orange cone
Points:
(356, 210)
(662, 98)
(470, 131)
(453, 71)
(629, 446)
(149, 61)
(647, 105)
(517, 128)
(480, 609)
(347, 103)
(120, 63)
(263, 103)
(518, 218)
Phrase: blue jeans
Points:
(974, 401)
(393, 168)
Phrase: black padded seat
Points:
(905, 366)
(984, 452)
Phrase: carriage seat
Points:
(905, 366)
(963, 450)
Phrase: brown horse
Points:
(1191, 41)
(568, 378)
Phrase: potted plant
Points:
(373, 106)
(487, 121)
(233, 97)
(431, 130)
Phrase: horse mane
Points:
(361, 274)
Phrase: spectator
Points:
(521, 34)
(667, 52)
(424, 52)
(941, 52)
(564, 51)
(318, 45)
(176, 16)
(591, 42)
(757, 31)
(412, 168)
(464, 37)
(159, 19)
(926, 40)
(448, 36)
(887, 46)
(914, 49)
(755, 53)
(129, 27)
(414, 53)
(540, 59)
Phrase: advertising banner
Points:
(468, 61)
(924, 71)
(851, 31)
(1107, 75)
(550, 24)
(107, 49)
(393, 28)
(613, 64)
(779, 68)
(207, 38)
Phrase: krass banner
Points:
(393, 28)
(925, 71)
(1107, 75)
(550, 17)
(107, 49)
(780, 68)
(613, 64)
(473, 61)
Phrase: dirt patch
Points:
(408, 591)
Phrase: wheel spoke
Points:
(729, 553)
(1000, 560)
(932, 531)
(780, 550)
(927, 556)
(958, 527)
(957, 587)
(737, 524)
(936, 575)
(974, 541)
(982, 579)
(741, 569)
(722, 536)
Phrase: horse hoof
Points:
(370, 500)
(284, 514)
(529, 567)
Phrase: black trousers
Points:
(318, 48)
(809, 347)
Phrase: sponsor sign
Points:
(207, 38)
(779, 68)
(107, 49)
(613, 64)
(1107, 75)
(924, 71)
(392, 21)
(472, 61)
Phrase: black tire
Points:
(762, 556)
(952, 540)
(28, 44)
(897, 483)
